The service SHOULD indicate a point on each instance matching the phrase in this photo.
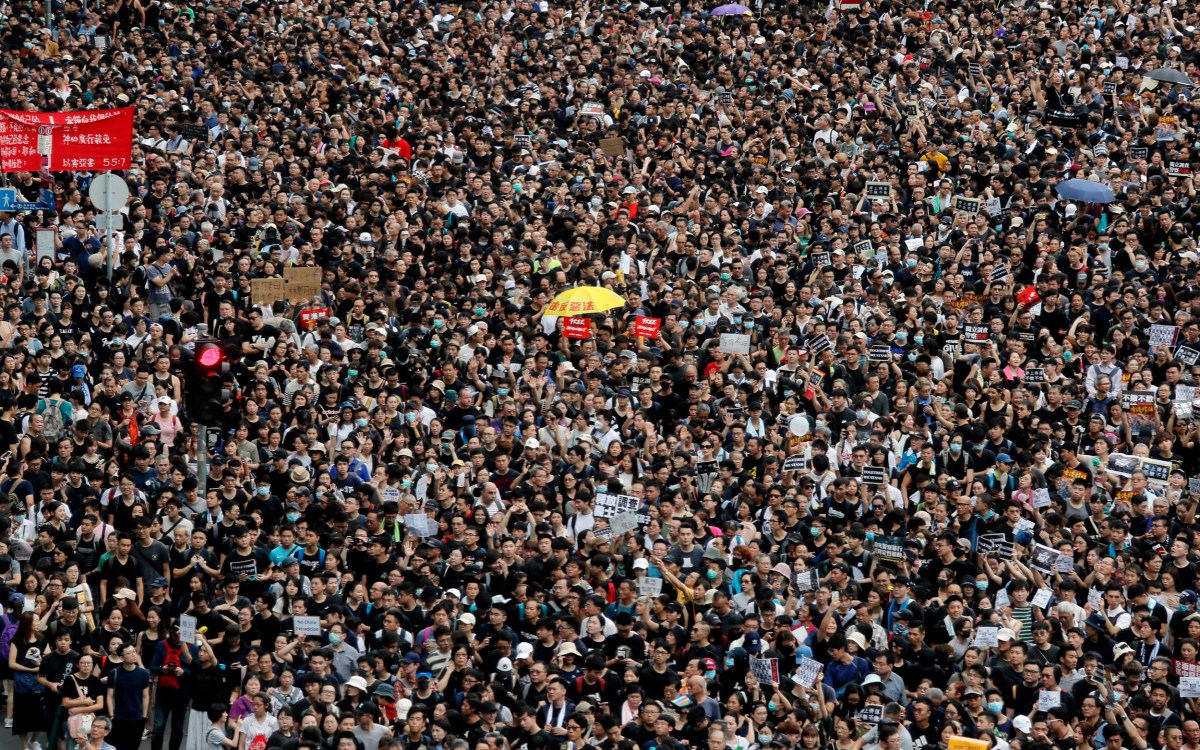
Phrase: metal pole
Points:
(202, 464)
(110, 246)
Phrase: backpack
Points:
(52, 419)
(172, 659)
(6, 635)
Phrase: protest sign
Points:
(1048, 699)
(187, 629)
(420, 525)
(874, 475)
(303, 283)
(796, 462)
(623, 522)
(1035, 375)
(646, 326)
(870, 714)
(766, 671)
(1042, 597)
(1043, 558)
(609, 505)
(1186, 668)
(306, 625)
(92, 141)
(576, 327)
(648, 586)
(806, 580)
(889, 548)
(809, 669)
(734, 343)
(986, 636)
(1041, 498)
(1161, 335)
(1189, 687)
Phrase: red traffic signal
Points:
(210, 355)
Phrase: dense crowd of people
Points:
(885, 444)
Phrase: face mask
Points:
(956, 447)
(862, 413)
(725, 277)
(918, 340)
(501, 391)
(737, 318)
(870, 536)
(410, 417)
(430, 468)
(911, 262)
(435, 343)
(995, 707)
(480, 310)
(406, 483)
(729, 662)
(360, 422)
(749, 324)
(981, 585)
(771, 706)
(438, 323)
(912, 356)
(264, 491)
(764, 740)
(334, 639)
(901, 337)
(683, 324)
(712, 575)
(293, 517)
(815, 532)
(710, 675)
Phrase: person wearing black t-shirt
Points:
(248, 563)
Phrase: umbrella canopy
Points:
(583, 300)
(729, 10)
(1085, 190)
(1170, 75)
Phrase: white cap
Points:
(524, 651)
(365, 237)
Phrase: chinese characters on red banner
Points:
(93, 140)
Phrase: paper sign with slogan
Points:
(806, 580)
(1048, 699)
(976, 332)
(864, 249)
(966, 743)
(807, 674)
(1188, 355)
(1041, 498)
(871, 714)
(268, 291)
(577, 327)
(306, 625)
(648, 586)
(818, 344)
(880, 353)
(1179, 168)
(612, 146)
(1042, 598)
(1139, 153)
(420, 525)
(623, 522)
(646, 326)
(1065, 564)
(1189, 687)
(1194, 486)
(303, 283)
(879, 189)
(986, 636)
(592, 109)
(1161, 335)
(187, 629)
(1002, 599)
(796, 462)
(765, 670)
(889, 548)
(874, 475)
(1035, 375)
(609, 505)
(735, 343)
(1043, 558)
(970, 205)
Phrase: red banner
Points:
(646, 326)
(92, 141)
(577, 328)
(1029, 297)
(310, 315)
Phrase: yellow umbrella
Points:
(583, 300)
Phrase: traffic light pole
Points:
(202, 464)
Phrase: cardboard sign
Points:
(196, 133)
(577, 327)
(646, 326)
(310, 316)
(874, 475)
(1139, 153)
(1035, 375)
(592, 109)
(306, 625)
(818, 344)
(608, 505)
(807, 674)
(1064, 564)
(648, 586)
(1179, 168)
(1163, 335)
(765, 671)
(1048, 699)
(734, 343)
(1042, 597)
(1187, 355)
(187, 629)
(303, 283)
(612, 146)
(1156, 470)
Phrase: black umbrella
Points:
(1170, 75)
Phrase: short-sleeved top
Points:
(90, 687)
(127, 686)
(215, 739)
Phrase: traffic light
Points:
(211, 384)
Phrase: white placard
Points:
(623, 522)
(1161, 335)
(187, 629)
(46, 238)
(1185, 392)
(735, 343)
(1048, 699)
(807, 674)
(986, 636)
(648, 586)
(1095, 599)
(1189, 687)
(1065, 564)
(306, 625)
(1041, 498)
(1042, 598)
(420, 524)
(1002, 599)
(390, 494)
